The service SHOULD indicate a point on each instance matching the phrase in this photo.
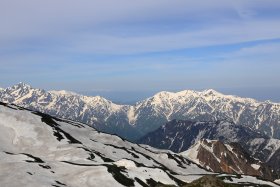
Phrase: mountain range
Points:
(134, 121)
(39, 150)
(210, 131)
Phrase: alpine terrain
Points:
(236, 145)
(228, 158)
(39, 150)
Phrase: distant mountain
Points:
(39, 150)
(94, 111)
(179, 136)
(210, 105)
(227, 158)
(134, 121)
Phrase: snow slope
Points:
(39, 150)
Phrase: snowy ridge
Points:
(134, 121)
(39, 150)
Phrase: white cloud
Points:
(77, 25)
(254, 56)
(216, 35)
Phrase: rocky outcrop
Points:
(227, 158)
(209, 181)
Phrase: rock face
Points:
(134, 121)
(39, 150)
(227, 158)
(179, 136)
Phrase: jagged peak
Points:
(271, 102)
(22, 85)
(170, 95)
(216, 94)
(95, 99)
(100, 98)
(187, 92)
(163, 94)
(211, 92)
(18, 87)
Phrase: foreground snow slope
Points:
(38, 150)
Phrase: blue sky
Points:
(126, 50)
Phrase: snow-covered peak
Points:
(161, 97)
(164, 94)
(211, 92)
(95, 100)
(187, 93)
(22, 85)
(16, 92)
(272, 103)
(207, 95)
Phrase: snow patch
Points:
(255, 166)
(277, 181)
(131, 115)
(125, 163)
